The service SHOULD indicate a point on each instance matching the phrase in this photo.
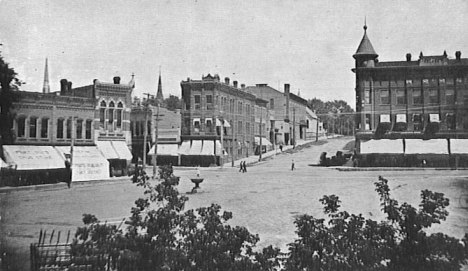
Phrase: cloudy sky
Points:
(306, 43)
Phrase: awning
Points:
(208, 119)
(401, 118)
(218, 122)
(208, 147)
(384, 118)
(122, 150)
(184, 148)
(33, 157)
(434, 118)
(265, 142)
(219, 148)
(435, 146)
(382, 146)
(166, 149)
(196, 147)
(107, 150)
(3, 164)
(226, 124)
(88, 163)
(459, 146)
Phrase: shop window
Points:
(433, 96)
(33, 127)
(45, 128)
(450, 96)
(417, 98)
(89, 125)
(401, 96)
(79, 129)
(21, 126)
(385, 96)
(60, 124)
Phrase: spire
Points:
(159, 95)
(46, 87)
(365, 48)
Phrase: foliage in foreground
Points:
(160, 235)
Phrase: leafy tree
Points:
(351, 242)
(337, 116)
(173, 103)
(167, 238)
(8, 84)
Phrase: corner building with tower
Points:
(412, 112)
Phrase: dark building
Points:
(411, 112)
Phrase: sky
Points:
(305, 43)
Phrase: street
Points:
(265, 199)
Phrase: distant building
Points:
(411, 110)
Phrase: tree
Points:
(8, 84)
(351, 242)
(173, 103)
(337, 116)
(167, 238)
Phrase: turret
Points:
(365, 54)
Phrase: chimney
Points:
(408, 57)
(458, 55)
(116, 80)
(226, 80)
(286, 93)
(243, 86)
(63, 86)
(235, 84)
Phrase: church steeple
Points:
(46, 87)
(365, 50)
(159, 95)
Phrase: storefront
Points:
(88, 163)
(118, 155)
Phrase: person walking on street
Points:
(241, 166)
(281, 148)
(245, 167)
(292, 165)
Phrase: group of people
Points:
(242, 167)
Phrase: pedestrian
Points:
(241, 166)
(292, 165)
(245, 167)
(281, 147)
(68, 174)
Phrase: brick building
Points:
(215, 116)
(411, 112)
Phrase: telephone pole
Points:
(145, 128)
(155, 161)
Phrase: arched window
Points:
(119, 114)
(33, 127)
(110, 116)
(60, 128)
(79, 129)
(22, 126)
(69, 128)
(89, 125)
(102, 114)
(45, 128)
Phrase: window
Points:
(401, 96)
(45, 128)
(433, 96)
(60, 123)
(119, 114)
(417, 122)
(239, 108)
(209, 102)
(409, 82)
(209, 125)
(417, 99)
(110, 113)
(89, 124)
(367, 96)
(148, 128)
(196, 125)
(451, 122)
(197, 101)
(33, 127)
(272, 103)
(247, 128)
(384, 96)
(79, 129)
(69, 128)
(137, 128)
(239, 127)
(22, 126)
(102, 114)
(450, 96)
(425, 81)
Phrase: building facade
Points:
(416, 110)
(217, 121)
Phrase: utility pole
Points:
(316, 130)
(155, 162)
(294, 128)
(145, 129)
(72, 140)
(261, 147)
(221, 158)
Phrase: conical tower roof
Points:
(365, 48)
(159, 95)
